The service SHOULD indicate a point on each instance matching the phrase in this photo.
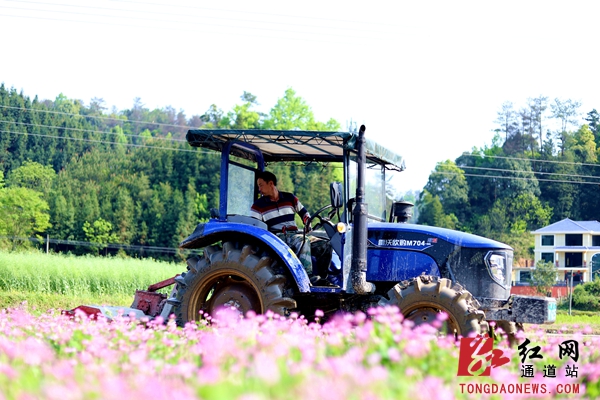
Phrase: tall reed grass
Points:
(96, 278)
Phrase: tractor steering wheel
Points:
(318, 215)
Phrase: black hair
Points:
(267, 177)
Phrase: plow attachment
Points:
(146, 304)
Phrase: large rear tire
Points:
(237, 276)
(422, 299)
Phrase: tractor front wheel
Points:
(422, 299)
(233, 276)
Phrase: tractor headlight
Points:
(341, 227)
(497, 263)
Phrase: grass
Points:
(47, 281)
(38, 303)
(576, 321)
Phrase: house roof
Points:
(569, 226)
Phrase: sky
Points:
(427, 78)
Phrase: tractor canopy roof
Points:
(296, 145)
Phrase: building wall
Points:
(557, 291)
(559, 240)
(559, 257)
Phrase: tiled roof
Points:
(570, 226)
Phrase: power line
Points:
(107, 142)
(134, 122)
(140, 122)
(531, 172)
(530, 159)
(103, 132)
(93, 131)
(113, 246)
(328, 166)
(292, 165)
(515, 177)
(352, 40)
(257, 13)
(245, 13)
(209, 152)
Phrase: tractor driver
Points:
(277, 209)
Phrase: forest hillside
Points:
(83, 174)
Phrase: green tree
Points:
(538, 106)
(23, 213)
(188, 217)
(493, 176)
(593, 119)
(431, 212)
(123, 214)
(202, 210)
(583, 145)
(311, 184)
(243, 116)
(100, 233)
(213, 117)
(142, 191)
(543, 277)
(507, 120)
(586, 297)
(290, 112)
(293, 112)
(120, 140)
(32, 175)
(63, 216)
(65, 105)
(566, 111)
(509, 220)
(526, 212)
(449, 184)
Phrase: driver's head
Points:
(267, 183)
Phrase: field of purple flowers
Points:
(379, 356)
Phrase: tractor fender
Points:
(214, 230)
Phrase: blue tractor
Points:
(375, 257)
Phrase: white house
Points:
(572, 246)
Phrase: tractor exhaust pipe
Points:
(359, 235)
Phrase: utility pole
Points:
(571, 293)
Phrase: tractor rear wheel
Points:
(422, 299)
(233, 276)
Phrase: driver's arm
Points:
(301, 210)
(303, 213)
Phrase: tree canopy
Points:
(530, 176)
(79, 172)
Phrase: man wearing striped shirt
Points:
(277, 209)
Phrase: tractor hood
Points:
(399, 251)
(421, 237)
